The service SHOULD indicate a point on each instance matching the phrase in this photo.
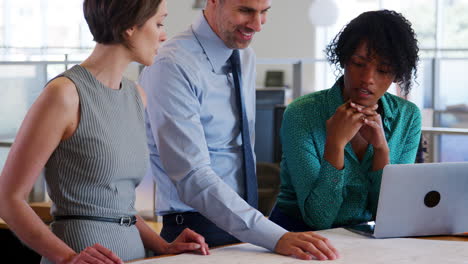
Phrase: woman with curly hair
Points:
(337, 141)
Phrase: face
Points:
(366, 77)
(237, 21)
(145, 40)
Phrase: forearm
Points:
(27, 225)
(151, 240)
(322, 201)
(381, 158)
(334, 154)
(209, 195)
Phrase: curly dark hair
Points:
(388, 35)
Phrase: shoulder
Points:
(402, 106)
(59, 101)
(183, 50)
(62, 93)
(307, 110)
(176, 58)
(312, 102)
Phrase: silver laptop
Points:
(421, 200)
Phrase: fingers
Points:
(319, 246)
(326, 246)
(190, 235)
(300, 254)
(368, 111)
(189, 240)
(96, 254)
(305, 245)
(326, 240)
(372, 123)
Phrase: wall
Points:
(287, 34)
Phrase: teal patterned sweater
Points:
(315, 191)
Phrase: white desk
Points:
(353, 248)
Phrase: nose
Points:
(163, 36)
(257, 21)
(368, 75)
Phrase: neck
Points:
(107, 64)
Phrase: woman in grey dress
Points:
(87, 130)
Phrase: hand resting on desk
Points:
(188, 240)
(304, 245)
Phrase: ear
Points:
(130, 31)
(211, 3)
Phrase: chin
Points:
(146, 62)
(364, 102)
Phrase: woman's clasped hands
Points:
(351, 119)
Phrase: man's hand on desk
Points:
(188, 240)
(304, 245)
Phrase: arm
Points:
(188, 240)
(407, 155)
(184, 153)
(174, 114)
(52, 118)
(410, 148)
(318, 182)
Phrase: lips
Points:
(364, 92)
(245, 35)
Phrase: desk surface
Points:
(353, 248)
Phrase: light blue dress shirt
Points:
(193, 133)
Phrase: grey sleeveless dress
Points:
(96, 171)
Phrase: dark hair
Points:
(109, 19)
(388, 35)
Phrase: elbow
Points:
(319, 216)
(318, 223)
(9, 201)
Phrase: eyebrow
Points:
(369, 59)
(250, 9)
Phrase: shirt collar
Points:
(214, 48)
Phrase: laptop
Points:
(424, 199)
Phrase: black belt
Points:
(183, 218)
(126, 220)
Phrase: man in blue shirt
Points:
(194, 129)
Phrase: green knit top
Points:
(315, 191)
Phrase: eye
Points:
(385, 71)
(358, 64)
(246, 10)
(160, 25)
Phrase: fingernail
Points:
(196, 246)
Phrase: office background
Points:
(41, 38)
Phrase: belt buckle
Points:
(126, 220)
(179, 219)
